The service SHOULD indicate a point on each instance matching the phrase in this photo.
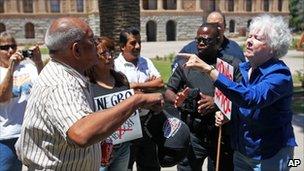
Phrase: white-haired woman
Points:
(263, 134)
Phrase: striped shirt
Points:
(58, 99)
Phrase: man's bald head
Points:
(64, 31)
(217, 17)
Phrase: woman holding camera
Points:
(263, 134)
(16, 80)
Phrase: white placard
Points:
(223, 103)
(131, 128)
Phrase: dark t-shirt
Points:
(100, 91)
(192, 78)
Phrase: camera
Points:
(26, 53)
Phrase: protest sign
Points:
(131, 128)
(223, 103)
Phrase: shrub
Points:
(300, 76)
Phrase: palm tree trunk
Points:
(116, 15)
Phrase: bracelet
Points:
(212, 68)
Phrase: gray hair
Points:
(276, 32)
(62, 37)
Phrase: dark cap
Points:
(171, 135)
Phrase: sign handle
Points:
(218, 153)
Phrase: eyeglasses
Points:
(205, 41)
(106, 54)
(7, 47)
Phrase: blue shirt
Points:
(262, 125)
(228, 48)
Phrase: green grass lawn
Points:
(164, 67)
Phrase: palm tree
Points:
(116, 15)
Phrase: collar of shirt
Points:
(129, 64)
(264, 68)
(83, 81)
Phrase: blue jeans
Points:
(277, 162)
(8, 158)
(120, 158)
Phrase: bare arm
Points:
(149, 85)
(101, 124)
(6, 86)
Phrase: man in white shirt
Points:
(142, 76)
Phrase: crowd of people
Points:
(56, 116)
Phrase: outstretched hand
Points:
(153, 101)
(193, 61)
(181, 96)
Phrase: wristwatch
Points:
(211, 68)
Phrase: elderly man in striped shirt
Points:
(60, 130)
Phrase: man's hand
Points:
(153, 101)
(220, 119)
(205, 104)
(181, 96)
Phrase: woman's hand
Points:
(36, 58)
(15, 59)
(220, 119)
(193, 61)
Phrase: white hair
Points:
(62, 37)
(276, 32)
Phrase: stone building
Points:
(161, 20)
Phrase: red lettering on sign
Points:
(122, 130)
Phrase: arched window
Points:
(208, 5)
(149, 4)
(248, 5)
(2, 27)
(79, 4)
(55, 5)
(169, 4)
(280, 5)
(1, 6)
(230, 5)
(27, 6)
(29, 31)
(231, 26)
(266, 5)
(248, 23)
(151, 31)
(171, 30)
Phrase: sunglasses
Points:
(205, 41)
(7, 47)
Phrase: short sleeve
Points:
(177, 80)
(66, 105)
